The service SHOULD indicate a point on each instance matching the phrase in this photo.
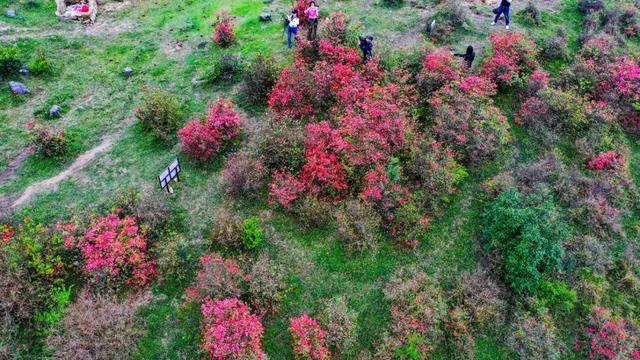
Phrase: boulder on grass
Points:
(18, 88)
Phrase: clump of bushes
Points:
(511, 60)
(243, 175)
(203, 140)
(9, 61)
(531, 338)
(258, 80)
(340, 324)
(98, 326)
(49, 143)
(227, 228)
(308, 338)
(223, 33)
(252, 233)
(39, 65)
(358, 224)
(225, 67)
(265, 283)
(218, 278)
(160, 114)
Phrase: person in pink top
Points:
(312, 13)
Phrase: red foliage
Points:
(6, 233)
(285, 188)
(230, 331)
(202, 141)
(438, 69)
(223, 34)
(538, 80)
(308, 338)
(608, 338)
(217, 278)
(116, 249)
(608, 161)
(512, 59)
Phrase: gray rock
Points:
(265, 17)
(18, 88)
(11, 13)
(24, 71)
(202, 45)
(55, 111)
(128, 71)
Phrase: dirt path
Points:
(15, 164)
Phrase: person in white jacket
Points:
(505, 6)
(292, 27)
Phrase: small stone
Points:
(55, 111)
(128, 71)
(202, 45)
(265, 17)
(24, 71)
(11, 13)
(18, 88)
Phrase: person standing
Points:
(312, 13)
(366, 46)
(292, 27)
(468, 56)
(504, 8)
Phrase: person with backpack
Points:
(468, 56)
(312, 13)
(366, 46)
(293, 21)
(505, 6)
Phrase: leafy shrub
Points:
(557, 295)
(337, 29)
(285, 189)
(230, 331)
(538, 81)
(9, 62)
(259, 79)
(606, 337)
(160, 114)
(608, 161)
(171, 257)
(38, 65)
(511, 59)
(358, 225)
(224, 67)
(227, 228)
(223, 33)
(482, 298)
(556, 47)
(152, 211)
(243, 175)
(265, 283)
(409, 225)
(20, 298)
(280, 145)
(252, 233)
(392, 3)
(98, 327)
(438, 69)
(115, 252)
(590, 6)
(202, 141)
(418, 311)
(458, 334)
(308, 338)
(453, 12)
(217, 278)
(534, 339)
(340, 323)
(49, 143)
(312, 212)
(527, 232)
(532, 14)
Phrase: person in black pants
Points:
(469, 56)
(505, 6)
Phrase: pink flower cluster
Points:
(6, 233)
(223, 33)
(203, 140)
(285, 188)
(116, 248)
(230, 331)
(608, 161)
(217, 278)
(308, 338)
(513, 58)
(608, 338)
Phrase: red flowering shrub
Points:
(308, 338)
(336, 28)
(242, 175)
(202, 141)
(6, 233)
(230, 331)
(608, 338)
(296, 95)
(438, 69)
(223, 34)
(285, 188)
(115, 251)
(511, 60)
(538, 80)
(608, 161)
(217, 278)
(49, 142)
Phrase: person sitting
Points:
(366, 46)
(468, 57)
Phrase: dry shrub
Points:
(313, 212)
(243, 175)
(280, 145)
(266, 282)
(160, 114)
(98, 327)
(358, 224)
(20, 299)
(532, 14)
(170, 254)
(226, 230)
(534, 339)
(482, 297)
(555, 47)
(149, 206)
(340, 324)
(259, 79)
(218, 278)
(590, 6)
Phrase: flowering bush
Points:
(49, 143)
(308, 338)
(438, 69)
(243, 175)
(115, 251)
(218, 278)
(336, 28)
(223, 34)
(6, 233)
(285, 189)
(202, 141)
(511, 60)
(297, 94)
(608, 338)
(230, 331)
(608, 161)
(538, 80)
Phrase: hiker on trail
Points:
(505, 6)
(366, 45)
(468, 57)
(292, 27)
(312, 13)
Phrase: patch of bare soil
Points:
(15, 164)
(175, 49)
(103, 27)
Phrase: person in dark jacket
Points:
(469, 56)
(366, 46)
(505, 6)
